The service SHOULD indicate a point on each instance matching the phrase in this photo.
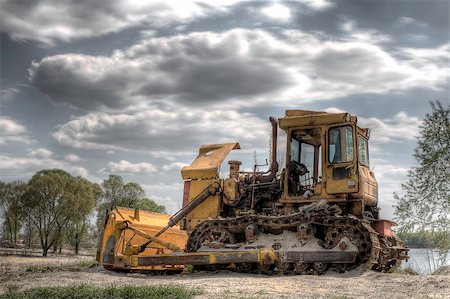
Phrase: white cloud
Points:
(12, 131)
(13, 168)
(167, 194)
(397, 129)
(8, 94)
(40, 153)
(72, 158)
(318, 4)
(173, 166)
(126, 167)
(334, 110)
(277, 12)
(407, 21)
(173, 130)
(390, 176)
(356, 34)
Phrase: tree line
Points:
(56, 209)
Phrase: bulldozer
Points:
(317, 212)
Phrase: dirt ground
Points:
(29, 272)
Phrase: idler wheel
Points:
(245, 267)
(265, 268)
(215, 235)
(282, 267)
(301, 267)
(320, 267)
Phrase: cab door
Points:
(340, 160)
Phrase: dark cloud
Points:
(238, 66)
(47, 21)
(430, 19)
(219, 80)
(81, 81)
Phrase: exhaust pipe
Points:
(274, 165)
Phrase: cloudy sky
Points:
(135, 87)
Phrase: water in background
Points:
(418, 260)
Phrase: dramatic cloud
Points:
(397, 129)
(237, 67)
(125, 167)
(157, 130)
(12, 131)
(194, 72)
(390, 176)
(47, 21)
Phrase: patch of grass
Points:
(90, 291)
(80, 265)
(11, 287)
(76, 266)
(407, 271)
(188, 270)
(444, 270)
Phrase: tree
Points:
(425, 204)
(117, 193)
(86, 197)
(52, 199)
(10, 203)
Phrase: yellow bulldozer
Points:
(317, 212)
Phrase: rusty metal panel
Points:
(208, 161)
(326, 256)
(313, 120)
(186, 190)
(369, 187)
(383, 227)
(210, 208)
(210, 258)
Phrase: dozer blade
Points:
(118, 242)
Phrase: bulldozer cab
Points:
(325, 153)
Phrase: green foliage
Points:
(11, 208)
(56, 207)
(91, 291)
(425, 205)
(54, 198)
(425, 239)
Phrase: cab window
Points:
(363, 151)
(340, 147)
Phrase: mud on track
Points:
(29, 272)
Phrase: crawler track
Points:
(378, 253)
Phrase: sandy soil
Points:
(354, 284)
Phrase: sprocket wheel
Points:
(355, 232)
(210, 235)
